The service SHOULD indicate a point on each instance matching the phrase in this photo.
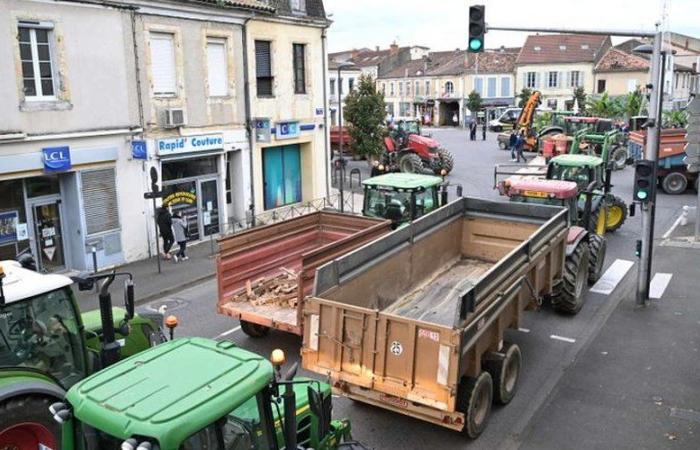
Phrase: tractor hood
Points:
(423, 140)
(550, 188)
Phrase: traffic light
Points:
(644, 180)
(477, 28)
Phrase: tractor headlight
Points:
(129, 444)
(381, 167)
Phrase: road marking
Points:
(562, 338)
(659, 284)
(610, 279)
(524, 330)
(226, 333)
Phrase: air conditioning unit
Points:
(174, 117)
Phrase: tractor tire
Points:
(254, 330)
(27, 424)
(411, 163)
(675, 183)
(568, 298)
(503, 145)
(593, 222)
(597, 246)
(504, 368)
(448, 161)
(618, 158)
(617, 213)
(474, 397)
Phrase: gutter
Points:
(248, 117)
(326, 105)
(79, 134)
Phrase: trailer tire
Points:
(410, 163)
(474, 400)
(568, 298)
(25, 422)
(447, 160)
(597, 246)
(504, 368)
(675, 183)
(254, 330)
(618, 157)
(617, 213)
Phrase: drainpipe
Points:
(326, 105)
(248, 118)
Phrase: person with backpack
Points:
(181, 233)
(165, 229)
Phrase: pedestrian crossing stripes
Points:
(659, 284)
(612, 277)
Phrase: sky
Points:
(442, 24)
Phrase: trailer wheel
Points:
(474, 400)
(504, 368)
(675, 183)
(411, 163)
(597, 246)
(619, 157)
(568, 297)
(616, 213)
(26, 424)
(448, 161)
(254, 330)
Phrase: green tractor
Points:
(607, 145)
(200, 394)
(404, 197)
(47, 345)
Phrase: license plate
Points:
(535, 194)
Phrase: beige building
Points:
(619, 73)
(557, 64)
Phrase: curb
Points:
(172, 289)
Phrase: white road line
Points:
(524, 330)
(226, 333)
(610, 279)
(562, 338)
(659, 284)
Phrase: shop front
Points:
(192, 170)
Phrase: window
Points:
(676, 81)
(408, 88)
(505, 87)
(552, 103)
(531, 80)
(427, 88)
(391, 89)
(631, 85)
(298, 6)
(263, 68)
(449, 88)
(351, 84)
(601, 86)
(491, 87)
(389, 108)
(404, 109)
(417, 88)
(332, 86)
(553, 79)
(400, 87)
(281, 175)
(100, 200)
(384, 88)
(35, 54)
(217, 67)
(575, 78)
(479, 86)
(163, 64)
(299, 68)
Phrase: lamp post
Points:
(341, 161)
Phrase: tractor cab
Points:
(544, 192)
(196, 393)
(581, 169)
(573, 124)
(402, 197)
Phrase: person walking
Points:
(181, 234)
(512, 142)
(483, 131)
(519, 144)
(472, 130)
(165, 228)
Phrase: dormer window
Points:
(562, 47)
(584, 47)
(298, 6)
(538, 48)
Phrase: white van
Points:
(506, 120)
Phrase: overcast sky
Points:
(442, 24)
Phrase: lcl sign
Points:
(56, 159)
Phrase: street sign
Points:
(139, 150)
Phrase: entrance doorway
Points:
(449, 114)
(209, 206)
(49, 235)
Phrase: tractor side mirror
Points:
(129, 298)
(85, 281)
(321, 407)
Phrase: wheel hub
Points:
(27, 436)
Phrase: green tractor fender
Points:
(15, 383)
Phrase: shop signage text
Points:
(56, 159)
(179, 198)
(262, 130)
(139, 150)
(287, 130)
(187, 144)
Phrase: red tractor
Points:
(406, 150)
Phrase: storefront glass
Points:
(14, 238)
(281, 176)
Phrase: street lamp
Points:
(341, 161)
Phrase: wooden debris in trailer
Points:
(280, 290)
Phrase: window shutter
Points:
(263, 63)
(524, 81)
(580, 77)
(537, 80)
(100, 200)
(217, 67)
(163, 64)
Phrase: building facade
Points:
(619, 73)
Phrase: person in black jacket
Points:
(165, 227)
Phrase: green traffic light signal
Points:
(475, 44)
(642, 195)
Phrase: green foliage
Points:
(364, 108)
(474, 101)
(542, 120)
(604, 106)
(580, 99)
(523, 97)
(675, 119)
(632, 103)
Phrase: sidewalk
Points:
(149, 284)
(637, 384)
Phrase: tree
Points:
(523, 97)
(474, 101)
(633, 103)
(364, 108)
(580, 99)
(605, 106)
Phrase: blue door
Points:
(281, 176)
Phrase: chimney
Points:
(394, 48)
(354, 53)
(376, 48)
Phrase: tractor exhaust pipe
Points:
(110, 347)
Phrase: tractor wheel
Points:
(593, 222)
(448, 161)
(254, 330)
(568, 297)
(675, 183)
(474, 397)
(26, 424)
(503, 145)
(504, 368)
(597, 246)
(618, 157)
(410, 163)
(616, 213)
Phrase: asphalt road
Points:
(549, 342)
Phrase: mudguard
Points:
(25, 384)
(574, 236)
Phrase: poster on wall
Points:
(8, 226)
